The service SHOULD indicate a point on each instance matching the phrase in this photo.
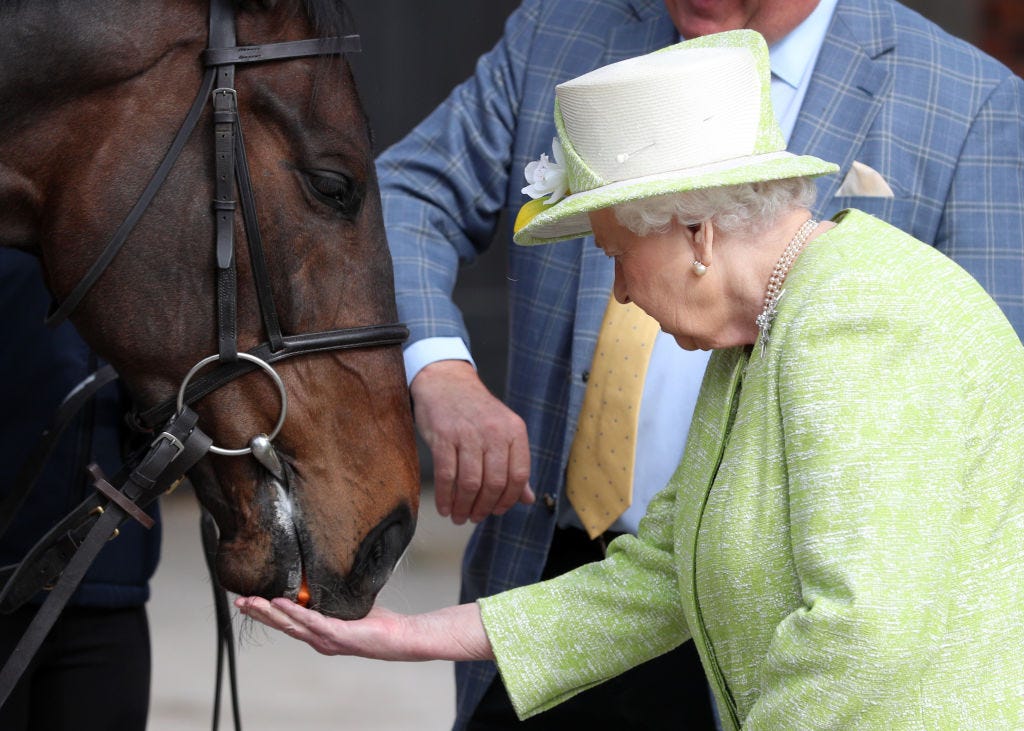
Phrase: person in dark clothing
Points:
(93, 670)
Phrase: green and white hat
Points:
(694, 115)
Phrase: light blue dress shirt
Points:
(674, 375)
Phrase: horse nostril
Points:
(382, 548)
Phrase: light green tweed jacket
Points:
(844, 537)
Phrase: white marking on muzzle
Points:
(284, 517)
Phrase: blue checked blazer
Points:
(938, 119)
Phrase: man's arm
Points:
(444, 187)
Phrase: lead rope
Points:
(225, 631)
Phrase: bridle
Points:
(231, 165)
(68, 550)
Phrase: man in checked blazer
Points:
(928, 135)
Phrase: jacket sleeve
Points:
(557, 638)
(444, 185)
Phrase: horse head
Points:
(94, 93)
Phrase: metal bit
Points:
(266, 455)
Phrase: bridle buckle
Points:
(174, 441)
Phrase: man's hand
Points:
(479, 445)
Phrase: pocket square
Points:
(864, 181)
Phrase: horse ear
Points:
(21, 200)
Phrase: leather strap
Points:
(285, 49)
(60, 313)
(370, 336)
(48, 557)
(257, 257)
(169, 457)
(111, 493)
(225, 121)
(225, 631)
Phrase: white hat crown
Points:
(694, 115)
(623, 121)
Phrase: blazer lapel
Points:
(847, 89)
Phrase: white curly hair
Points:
(731, 209)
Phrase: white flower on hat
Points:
(546, 177)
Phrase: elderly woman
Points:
(844, 537)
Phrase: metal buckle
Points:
(225, 90)
(175, 442)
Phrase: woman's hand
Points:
(452, 633)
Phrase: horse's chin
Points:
(262, 555)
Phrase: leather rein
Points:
(59, 560)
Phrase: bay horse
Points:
(93, 95)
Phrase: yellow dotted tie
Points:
(599, 479)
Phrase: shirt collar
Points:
(795, 55)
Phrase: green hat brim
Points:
(568, 218)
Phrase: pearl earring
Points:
(698, 268)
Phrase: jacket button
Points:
(549, 502)
(585, 377)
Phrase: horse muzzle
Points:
(351, 596)
(307, 572)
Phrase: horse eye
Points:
(336, 190)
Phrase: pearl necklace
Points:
(774, 292)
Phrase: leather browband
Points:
(285, 49)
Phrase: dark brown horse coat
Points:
(93, 93)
